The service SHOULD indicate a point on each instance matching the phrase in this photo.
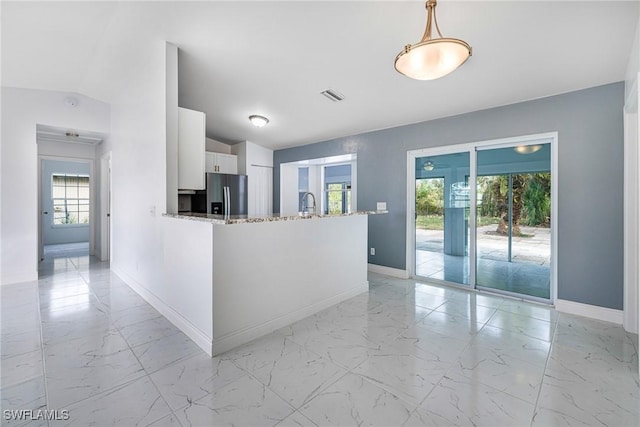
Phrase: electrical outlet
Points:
(381, 206)
(372, 251)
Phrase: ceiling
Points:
(239, 58)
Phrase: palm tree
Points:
(500, 188)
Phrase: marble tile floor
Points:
(406, 353)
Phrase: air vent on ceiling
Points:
(332, 95)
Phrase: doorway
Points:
(66, 206)
(482, 215)
(513, 220)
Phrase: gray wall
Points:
(590, 180)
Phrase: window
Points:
(337, 189)
(338, 198)
(70, 195)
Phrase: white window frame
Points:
(79, 199)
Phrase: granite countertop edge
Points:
(221, 220)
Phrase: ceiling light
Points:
(432, 58)
(258, 121)
(429, 165)
(527, 149)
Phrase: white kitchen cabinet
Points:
(221, 163)
(191, 149)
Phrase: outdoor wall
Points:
(22, 110)
(55, 235)
(590, 178)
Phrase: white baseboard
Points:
(592, 311)
(20, 277)
(200, 338)
(234, 339)
(388, 271)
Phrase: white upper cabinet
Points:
(221, 163)
(191, 149)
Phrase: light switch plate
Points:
(381, 206)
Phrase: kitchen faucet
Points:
(305, 207)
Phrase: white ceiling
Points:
(240, 58)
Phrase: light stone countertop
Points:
(245, 219)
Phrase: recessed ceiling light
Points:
(258, 121)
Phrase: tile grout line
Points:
(544, 371)
(42, 352)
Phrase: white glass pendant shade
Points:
(432, 58)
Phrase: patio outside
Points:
(528, 272)
(513, 242)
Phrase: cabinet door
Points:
(210, 162)
(191, 149)
(227, 163)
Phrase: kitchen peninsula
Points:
(235, 279)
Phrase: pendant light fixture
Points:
(428, 166)
(432, 58)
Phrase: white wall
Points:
(288, 189)
(54, 235)
(22, 110)
(144, 244)
(139, 171)
(631, 191)
(217, 147)
(171, 126)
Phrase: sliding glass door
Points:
(513, 235)
(504, 244)
(442, 217)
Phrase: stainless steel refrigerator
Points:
(226, 194)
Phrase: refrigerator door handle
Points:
(226, 201)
